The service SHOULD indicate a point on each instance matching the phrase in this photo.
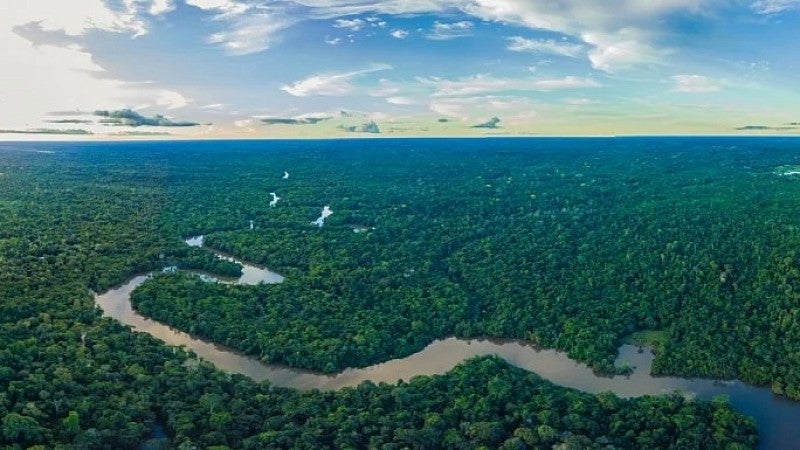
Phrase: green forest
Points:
(570, 244)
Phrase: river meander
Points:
(777, 417)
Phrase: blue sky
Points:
(316, 68)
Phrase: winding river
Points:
(778, 419)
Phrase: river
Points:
(777, 418)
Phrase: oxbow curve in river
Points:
(777, 417)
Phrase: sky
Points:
(144, 69)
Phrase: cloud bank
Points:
(130, 118)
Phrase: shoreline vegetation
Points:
(572, 244)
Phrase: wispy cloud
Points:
(70, 121)
(551, 46)
(484, 84)
(693, 84)
(568, 82)
(476, 107)
(331, 84)
(620, 41)
(306, 119)
(768, 7)
(251, 33)
(443, 31)
(71, 131)
(252, 27)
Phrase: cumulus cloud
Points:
(621, 50)
(64, 74)
(376, 22)
(131, 118)
(443, 31)
(693, 84)
(551, 46)
(399, 34)
(491, 123)
(159, 7)
(349, 24)
(331, 84)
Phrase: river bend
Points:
(777, 418)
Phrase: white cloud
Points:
(349, 24)
(37, 79)
(252, 32)
(252, 27)
(244, 123)
(159, 7)
(445, 31)
(399, 100)
(314, 115)
(622, 32)
(335, 84)
(479, 107)
(774, 6)
(693, 84)
(399, 34)
(75, 18)
(333, 41)
(520, 44)
(376, 22)
(621, 50)
(483, 84)
(568, 82)
(213, 107)
(224, 7)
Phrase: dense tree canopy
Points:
(571, 244)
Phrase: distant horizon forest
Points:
(572, 244)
